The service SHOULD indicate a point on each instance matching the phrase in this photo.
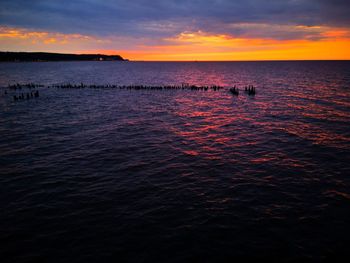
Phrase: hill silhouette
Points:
(46, 56)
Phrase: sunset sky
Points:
(180, 29)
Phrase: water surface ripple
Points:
(176, 176)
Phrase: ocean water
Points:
(109, 175)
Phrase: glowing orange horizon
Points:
(278, 50)
(334, 44)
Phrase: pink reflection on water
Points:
(214, 125)
(280, 159)
(193, 153)
(205, 122)
(205, 74)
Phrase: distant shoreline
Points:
(177, 61)
(55, 57)
(48, 61)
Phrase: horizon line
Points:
(261, 60)
(192, 61)
(187, 60)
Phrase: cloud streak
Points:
(164, 18)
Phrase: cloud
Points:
(25, 40)
(165, 18)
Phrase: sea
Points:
(178, 175)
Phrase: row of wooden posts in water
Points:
(138, 87)
(109, 86)
(22, 86)
(249, 90)
(23, 96)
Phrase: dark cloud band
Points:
(161, 18)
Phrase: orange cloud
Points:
(27, 40)
(332, 43)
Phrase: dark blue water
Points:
(109, 175)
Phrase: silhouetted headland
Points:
(44, 56)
